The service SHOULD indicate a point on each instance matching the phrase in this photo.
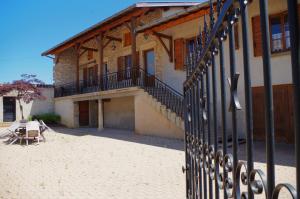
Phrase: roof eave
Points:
(128, 9)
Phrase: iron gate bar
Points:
(293, 17)
(269, 117)
(198, 146)
(215, 125)
(208, 96)
(248, 91)
(223, 106)
(233, 104)
(204, 123)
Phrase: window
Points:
(127, 66)
(280, 34)
(127, 39)
(91, 76)
(190, 46)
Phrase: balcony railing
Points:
(135, 77)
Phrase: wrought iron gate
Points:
(211, 171)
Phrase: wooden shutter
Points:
(236, 36)
(257, 44)
(179, 53)
(127, 39)
(120, 68)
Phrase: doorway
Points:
(9, 109)
(149, 59)
(84, 113)
(283, 113)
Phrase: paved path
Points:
(108, 164)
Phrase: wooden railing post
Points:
(133, 48)
(99, 40)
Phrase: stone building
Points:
(127, 71)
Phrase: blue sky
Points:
(29, 27)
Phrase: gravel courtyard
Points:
(107, 164)
(85, 163)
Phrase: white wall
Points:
(66, 109)
(33, 108)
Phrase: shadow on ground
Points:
(284, 153)
(124, 135)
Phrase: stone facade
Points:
(64, 70)
(164, 69)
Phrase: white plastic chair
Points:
(32, 131)
(9, 130)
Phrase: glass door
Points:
(149, 58)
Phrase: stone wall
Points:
(64, 70)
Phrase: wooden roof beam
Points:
(114, 38)
(87, 48)
(170, 40)
(169, 24)
(91, 34)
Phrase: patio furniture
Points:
(43, 128)
(32, 131)
(9, 130)
(18, 133)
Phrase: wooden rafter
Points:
(127, 25)
(92, 33)
(82, 52)
(114, 38)
(88, 48)
(169, 38)
(106, 44)
(177, 21)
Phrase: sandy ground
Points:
(108, 164)
(84, 163)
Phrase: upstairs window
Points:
(280, 33)
(190, 46)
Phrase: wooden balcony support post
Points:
(168, 49)
(99, 40)
(133, 48)
(77, 55)
(133, 41)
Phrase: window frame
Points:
(281, 16)
(186, 46)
